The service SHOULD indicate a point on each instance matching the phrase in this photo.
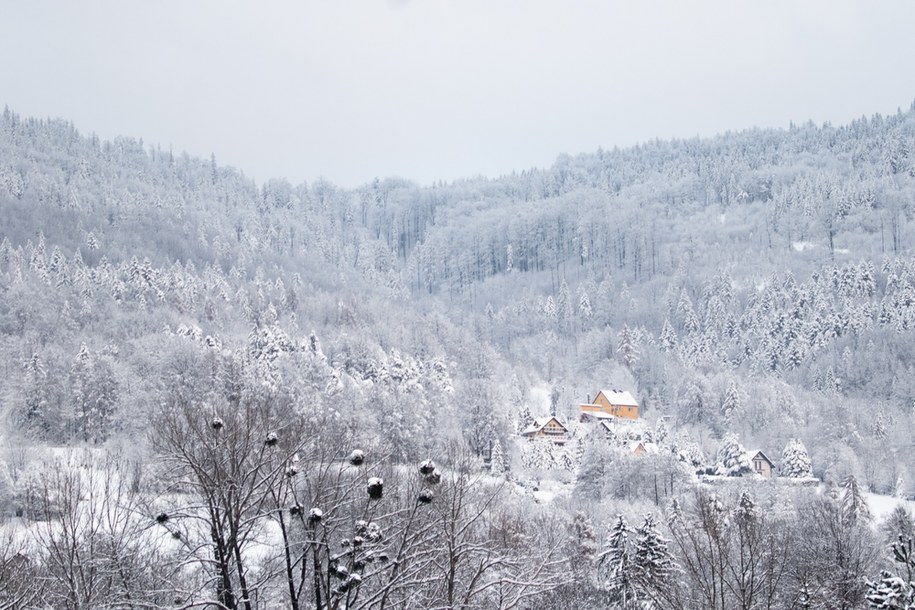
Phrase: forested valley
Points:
(216, 393)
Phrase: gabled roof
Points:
(619, 397)
(752, 453)
(647, 447)
(540, 423)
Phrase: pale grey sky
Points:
(440, 89)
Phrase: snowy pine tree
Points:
(615, 570)
(795, 462)
(895, 592)
(627, 348)
(732, 458)
(854, 505)
(731, 403)
(498, 464)
(652, 561)
(584, 304)
(667, 341)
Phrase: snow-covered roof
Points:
(648, 447)
(752, 453)
(599, 414)
(620, 397)
(539, 424)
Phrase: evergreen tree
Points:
(652, 561)
(667, 341)
(732, 457)
(525, 418)
(895, 592)
(854, 505)
(498, 465)
(549, 308)
(795, 462)
(731, 403)
(899, 523)
(627, 348)
(615, 570)
(584, 304)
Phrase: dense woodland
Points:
(188, 361)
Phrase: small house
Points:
(762, 465)
(547, 428)
(618, 403)
(640, 448)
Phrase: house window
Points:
(758, 465)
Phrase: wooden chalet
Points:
(615, 403)
(547, 428)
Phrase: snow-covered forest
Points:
(226, 394)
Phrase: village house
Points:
(611, 403)
(547, 428)
(639, 448)
(762, 465)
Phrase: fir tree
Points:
(854, 505)
(732, 457)
(895, 592)
(627, 347)
(549, 308)
(615, 568)
(498, 465)
(731, 403)
(652, 561)
(667, 341)
(898, 524)
(524, 418)
(795, 462)
(584, 304)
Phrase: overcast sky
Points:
(434, 89)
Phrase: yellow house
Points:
(547, 428)
(618, 403)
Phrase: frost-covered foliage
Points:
(895, 591)
(854, 505)
(615, 564)
(652, 560)
(732, 459)
(795, 462)
(759, 283)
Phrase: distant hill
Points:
(778, 262)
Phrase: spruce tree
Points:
(795, 462)
(498, 465)
(652, 561)
(731, 403)
(584, 304)
(667, 341)
(854, 505)
(732, 457)
(615, 565)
